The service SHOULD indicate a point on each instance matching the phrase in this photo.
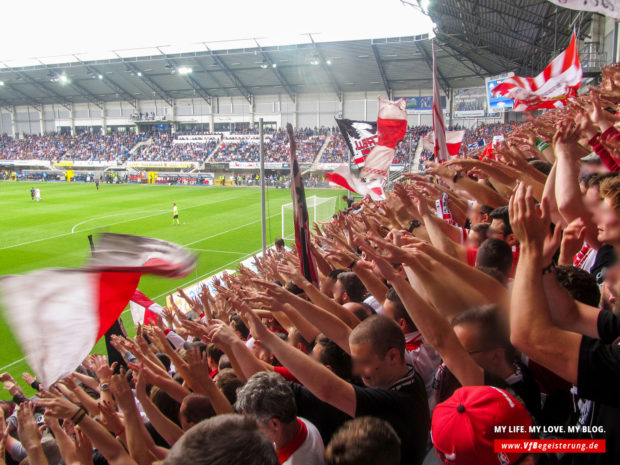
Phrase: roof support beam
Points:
(90, 97)
(63, 101)
(277, 72)
(233, 77)
(458, 58)
(386, 83)
(208, 73)
(109, 83)
(328, 71)
(191, 81)
(429, 61)
(149, 82)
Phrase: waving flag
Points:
(143, 310)
(454, 140)
(360, 137)
(609, 8)
(58, 315)
(559, 81)
(300, 212)
(439, 128)
(391, 129)
(476, 145)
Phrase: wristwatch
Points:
(104, 387)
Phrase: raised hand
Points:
(27, 428)
(110, 418)
(530, 226)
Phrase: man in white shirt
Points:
(269, 399)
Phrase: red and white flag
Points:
(454, 140)
(391, 129)
(440, 147)
(558, 82)
(57, 315)
(143, 310)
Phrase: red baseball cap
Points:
(463, 427)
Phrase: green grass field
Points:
(221, 224)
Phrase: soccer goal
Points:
(319, 209)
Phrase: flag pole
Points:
(262, 184)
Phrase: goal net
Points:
(319, 209)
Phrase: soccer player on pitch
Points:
(175, 214)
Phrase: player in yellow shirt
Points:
(175, 214)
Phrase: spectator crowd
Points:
(483, 294)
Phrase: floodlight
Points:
(185, 70)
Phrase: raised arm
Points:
(531, 328)
(321, 381)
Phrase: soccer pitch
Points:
(220, 224)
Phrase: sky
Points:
(53, 29)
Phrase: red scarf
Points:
(289, 449)
(414, 344)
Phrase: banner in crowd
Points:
(469, 102)
(254, 165)
(197, 139)
(360, 136)
(233, 138)
(497, 103)
(41, 163)
(162, 164)
(558, 82)
(40, 306)
(422, 105)
(307, 262)
(609, 8)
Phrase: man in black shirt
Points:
(392, 391)
(574, 340)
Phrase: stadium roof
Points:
(475, 38)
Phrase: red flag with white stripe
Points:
(454, 140)
(558, 82)
(439, 128)
(143, 310)
(57, 315)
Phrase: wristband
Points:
(80, 418)
(353, 264)
(414, 224)
(456, 176)
(541, 144)
(76, 414)
(549, 269)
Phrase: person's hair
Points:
(214, 352)
(485, 209)
(353, 286)
(223, 440)
(267, 395)
(399, 308)
(237, 324)
(166, 404)
(610, 189)
(333, 274)
(229, 383)
(495, 253)
(332, 355)
(482, 229)
(493, 272)
(493, 327)
(501, 213)
(542, 166)
(279, 242)
(295, 337)
(382, 333)
(580, 284)
(197, 408)
(596, 179)
(360, 310)
(364, 441)
(224, 363)
(165, 360)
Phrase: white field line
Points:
(11, 364)
(218, 251)
(105, 225)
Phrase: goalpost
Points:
(319, 209)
